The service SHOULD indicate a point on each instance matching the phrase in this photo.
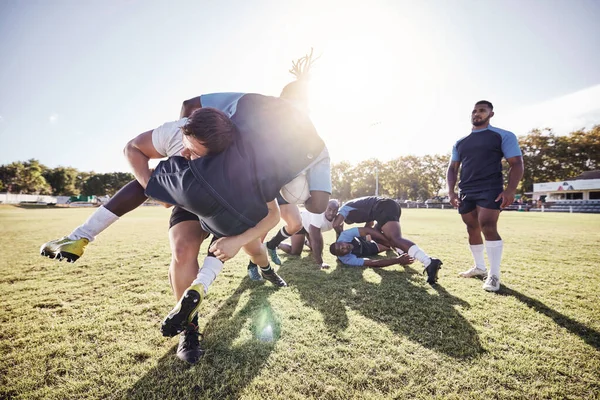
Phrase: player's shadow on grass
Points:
(587, 334)
(233, 358)
(399, 300)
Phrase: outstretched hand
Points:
(405, 259)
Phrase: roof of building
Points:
(589, 175)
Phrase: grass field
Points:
(90, 330)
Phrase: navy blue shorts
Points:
(172, 182)
(386, 210)
(485, 199)
(280, 200)
(179, 214)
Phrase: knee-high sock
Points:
(494, 252)
(478, 256)
(280, 237)
(101, 219)
(209, 271)
(415, 252)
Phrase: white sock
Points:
(208, 272)
(478, 256)
(399, 251)
(494, 252)
(101, 219)
(416, 252)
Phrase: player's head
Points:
(297, 91)
(332, 209)
(208, 131)
(340, 248)
(482, 112)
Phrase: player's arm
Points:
(316, 242)
(338, 225)
(386, 262)
(515, 174)
(189, 106)
(138, 152)
(317, 202)
(226, 248)
(451, 178)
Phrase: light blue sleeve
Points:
(348, 235)
(455, 155)
(510, 143)
(319, 173)
(345, 210)
(226, 102)
(351, 259)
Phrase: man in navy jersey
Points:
(387, 214)
(229, 186)
(481, 188)
(355, 245)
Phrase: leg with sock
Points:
(471, 220)
(488, 220)
(71, 247)
(392, 232)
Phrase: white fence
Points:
(14, 198)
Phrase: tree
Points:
(27, 177)
(342, 175)
(63, 181)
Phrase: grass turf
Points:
(90, 330)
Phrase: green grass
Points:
(90, 330)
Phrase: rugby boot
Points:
(432, 270)
(189, 349)
(64, 248)
(272, 277)
(183, 313)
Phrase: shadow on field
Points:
(588, 335)
(398, 300)
(231, 360)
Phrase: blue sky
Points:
(79, 79)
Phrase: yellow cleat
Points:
(182, 315)
(64, 248)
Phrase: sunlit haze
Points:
(79, 79)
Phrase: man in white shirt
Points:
(313, 226)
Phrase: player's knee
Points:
(183, 251)
(293, 226)
(488, 228)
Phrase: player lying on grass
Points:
(387, 214)
(355, 245)
(313, 226)
(228, 188)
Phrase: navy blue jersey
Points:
(359, 210)
(364, 248)
(274, 143)
(480, 155)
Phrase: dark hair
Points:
(332, 248)
(212, 128)
(487, 103)
(298, 90)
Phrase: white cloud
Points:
(53, 118)
(563, 114)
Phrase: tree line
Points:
(32, 177)
(548, 158)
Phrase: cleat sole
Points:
(183, 313)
